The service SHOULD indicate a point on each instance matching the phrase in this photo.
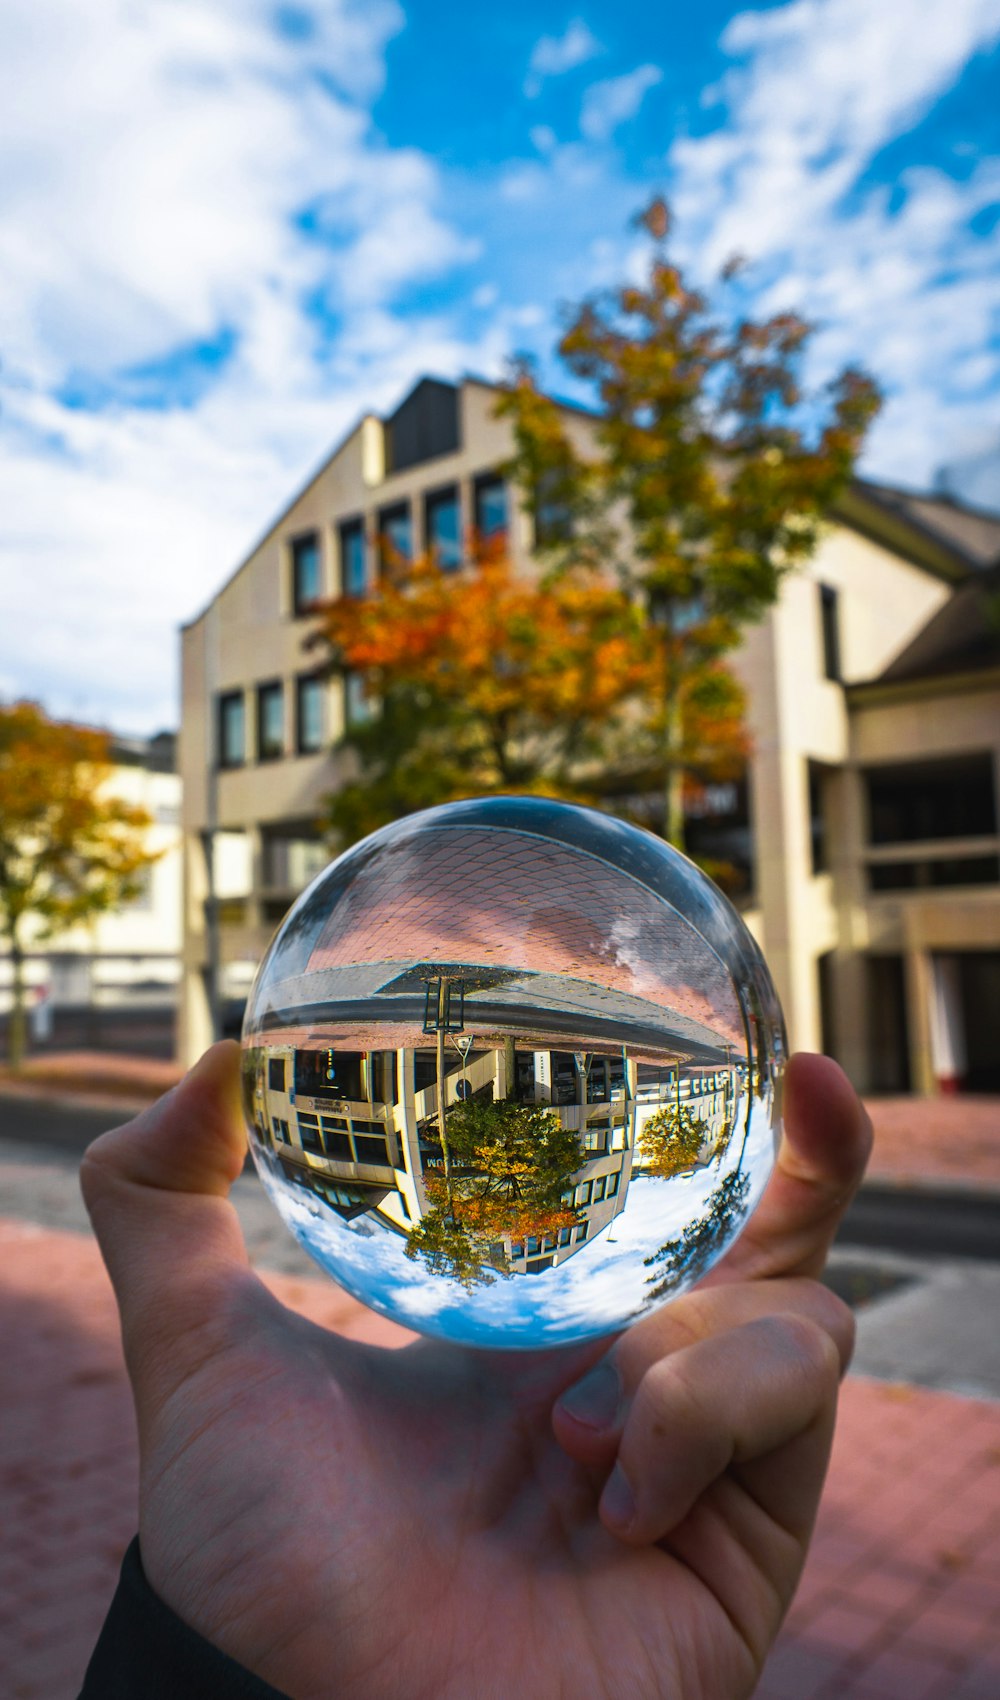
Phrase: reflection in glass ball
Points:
(511, 1072)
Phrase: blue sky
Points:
(228, 226)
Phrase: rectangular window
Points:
(553, 515)
(565, 1235)
(442, 528)
(817, 818)
(276, 1074)
(310, 717)
(489, 498)
(924, 800)
(307, 574)
(232, 729)
(599, 1187)
(359, 705)
(270, 721)
(583, 1194)
(581, 1232)
(395, 539)
(353, 572)
(829, 611)
(309, 1134)
(612, 1186)
(290, 858)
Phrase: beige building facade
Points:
(125, 962)
(883, 943)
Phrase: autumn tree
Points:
(510, 1165)
(671, 1140)
(664, 525)
(703, 481)
(484, 682)
(69, 850)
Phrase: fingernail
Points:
(618, 1500)
(594, 1401)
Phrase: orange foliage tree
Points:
(486, 682)
(706, 478)
(68, 849)
(663, 528)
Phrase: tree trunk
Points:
(17, 1027)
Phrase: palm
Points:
(413, 1523)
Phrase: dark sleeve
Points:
(145, 1652)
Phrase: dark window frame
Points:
(224, 701)
(481, 483)
(301, 747)
(273, 690)
(305, 605)
(385, 517)
(444, 494)
(349, 529)
(829, 617)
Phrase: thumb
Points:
(156, 1191)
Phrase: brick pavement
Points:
(900, 1600)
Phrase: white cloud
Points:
(607, 105)
(896, 281)
(554, 55)
(176, 172)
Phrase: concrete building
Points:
(867, 828)
(121, 971)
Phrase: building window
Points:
(442, 528)
(232, 729)
(307, 575)
(395, 539)
(270, 721)
(581, 1232)
(310, 718)
(353, 573)
(553, 515)
(489, 499)
(291, 858)
(817, 818)
(276, 1074)
(829, 612)
(359, 705)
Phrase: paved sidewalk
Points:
(900, 1601)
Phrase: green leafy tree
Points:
(709, 473)
(687, 1257)
(448, 1248)
(672, 1140)
(69, 849)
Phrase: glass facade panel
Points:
(443, 528)
(353, 573)
(395, 538)
(307, 576)
(490, 499)
(270, 722)
(310, 728)
(232, 730)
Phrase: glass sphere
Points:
(511, 1072)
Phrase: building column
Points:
(919, 992)
(947, 1024)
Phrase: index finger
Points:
(826, 1143)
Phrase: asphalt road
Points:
(56, 1124)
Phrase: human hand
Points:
(436, 1523)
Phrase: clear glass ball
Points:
(511, 1072)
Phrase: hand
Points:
(436, 1523)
